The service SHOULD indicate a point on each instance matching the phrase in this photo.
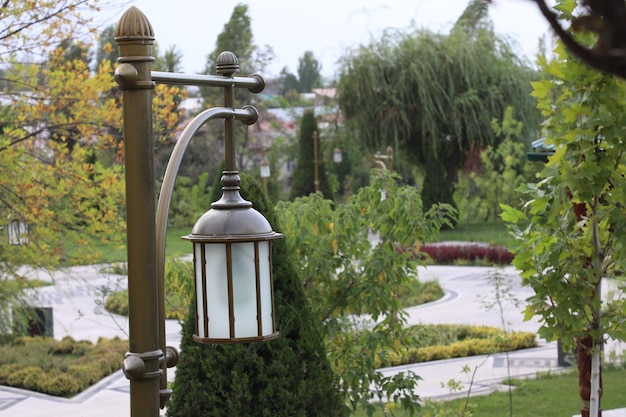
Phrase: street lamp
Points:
(316, 162)
(18, 232)
(337, 158)
(231, 242)
(337, 155)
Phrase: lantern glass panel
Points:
(244, 289)
(216, 291)
(267, 305)
(265, 171)
(200, 292)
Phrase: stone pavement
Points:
(77, 294)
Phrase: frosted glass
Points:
(198, 268)
(217, 291)
(266, 287)
(244, 289)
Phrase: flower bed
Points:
(461, 252)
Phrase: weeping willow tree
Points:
(431, 96)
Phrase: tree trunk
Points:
(596, 391)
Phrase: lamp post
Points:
(316, 163)
(265, 169)
(231, 242)
(337, 158)
(385, 161)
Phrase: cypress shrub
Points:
(303, 180)
(436, 189)
(288, 376)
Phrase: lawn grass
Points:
(488, 232)
(554, 394)
(116, 252)
(492, 232)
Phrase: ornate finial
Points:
(133, 25)
(227, 63)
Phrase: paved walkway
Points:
(77, 294)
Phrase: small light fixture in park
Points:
(18, 232)
(265, 168)
(233, 270)
(337, 155)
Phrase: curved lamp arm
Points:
(248, 115)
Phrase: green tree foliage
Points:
(351, 281)
(432, 96)
(60, 153)
(303, 179)
(170, 61)
(606, 20)
(106, 49)
(501, 170)
(290, 84)
(309, 72)
(309, 75)
(289, 376)
(435, 189)
(572, 235)
(236, 37)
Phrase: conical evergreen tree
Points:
(303, 181)
(439, 190)
(289, 376)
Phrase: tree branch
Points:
(27, 25)
(606, 18)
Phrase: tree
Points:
(503, 168)
(290, 82)
(289, 376)
(62, 175)
(309, 75)
(432, 96)
(303, 179)
(351, 282)
(106, 47)
(170, 61)
(572, 233)
(309, 72)
(30, 28)
(236, 37)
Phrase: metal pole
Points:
(134, 36)
(263, 160)
(316, 162)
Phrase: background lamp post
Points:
(18, 232)
(385, 161)
(337, 155)
(316, 162)
(265, 169)
(232, 241)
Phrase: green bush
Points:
(62, 385)
(117, 303)
(8, 369)
(63, 367)
(17, 378)
(456, 341)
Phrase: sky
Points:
(326, 27)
